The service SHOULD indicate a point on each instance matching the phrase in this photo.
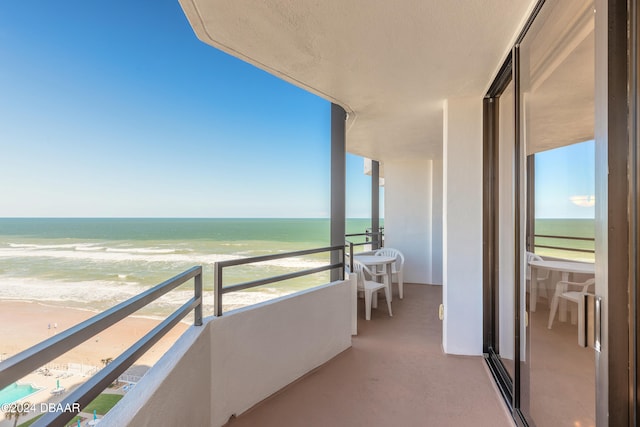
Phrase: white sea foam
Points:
(85, 293)
(293, 263)
(58, 246)
(142, 250)
(133, 254)
(98, 295)
(91, 252)
(89, 248)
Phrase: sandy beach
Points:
(23, 324)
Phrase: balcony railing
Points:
(29, 360)
(565, 248)
(375, 239)
(219, 267)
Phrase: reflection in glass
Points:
(565, 202)
(557, 65)
(506, 244)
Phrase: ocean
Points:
(572, 227)
(95, 263)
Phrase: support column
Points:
(338, 181)
(462, 226)
(375, 201)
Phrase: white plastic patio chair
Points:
(369, 287)
(397, 268)
(563, 291)
(543, 276)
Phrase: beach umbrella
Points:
(79, 422)
(94, 414)
(57, 383)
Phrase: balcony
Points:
(395, 372)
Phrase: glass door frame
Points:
(634, 144)
(509, 72)
(491, 249)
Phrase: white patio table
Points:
(379, 260)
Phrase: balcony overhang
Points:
(388, 64)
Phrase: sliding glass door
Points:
(561, 265)
(561, 238)
(556, 94)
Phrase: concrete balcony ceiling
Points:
(389, 64)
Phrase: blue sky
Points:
(564, 177)
(117, 109)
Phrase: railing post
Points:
(375, 201)
(217, 285)
(338, 180)
(343, 262)
(197, 290)
(351, 257)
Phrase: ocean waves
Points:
(99, 252)
(98, 275)
(101, 295)
(81, 292)
(96, 263)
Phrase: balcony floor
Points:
(395, 374)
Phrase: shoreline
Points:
(26, 323)
(86, 309)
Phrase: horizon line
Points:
(170, 217)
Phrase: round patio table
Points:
(379, 260)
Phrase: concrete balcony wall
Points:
(237, 360)
(176, 391)
(258, 350)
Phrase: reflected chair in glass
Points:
(542, 277)
(564, 292)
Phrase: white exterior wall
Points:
(410, 222)
(462, 226)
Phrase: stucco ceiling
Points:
(389, 64)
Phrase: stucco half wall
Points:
(235, 361)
